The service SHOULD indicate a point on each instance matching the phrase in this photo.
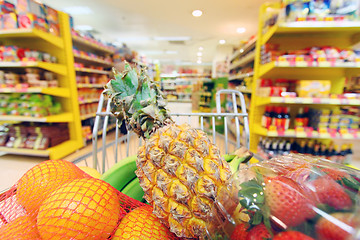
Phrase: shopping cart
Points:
(107, 153)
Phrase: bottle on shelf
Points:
(302, 147)
(267, 117)
(300, 119)
(277, 118)
(309, 148)
(286, 118)
(306, 116)
(317, 149)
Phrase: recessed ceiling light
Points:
(78, 10)
(199, 54)
(198, 61)
(222, 41)
(241, 50)
(197, 13)
(201, 48)
(241, 30)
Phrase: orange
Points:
(22, 228)
(85, 208)
(41, 180)
(142, 224)
(91, 171)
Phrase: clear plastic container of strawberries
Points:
(295, 197)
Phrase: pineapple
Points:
(182, 173)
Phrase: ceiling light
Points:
(222, 41)
(199, 54)
(197, 13)
(199, 61)
(241, 30)
(201, 48)
(241, 50)
(78, 10)
(176, 38)
(84, 28)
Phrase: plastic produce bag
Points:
(295, 197)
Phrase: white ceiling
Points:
(137, 22)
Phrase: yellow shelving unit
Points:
(66, 93)
(298, 35)
(83, 44)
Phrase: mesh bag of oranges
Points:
(57, 200)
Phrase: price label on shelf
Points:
(345, 134)
(300, 132)
(324, 63)
(323, 133)
(272, 131)
(316, 100)
(307, 100)
(281, 132)
(283, 62)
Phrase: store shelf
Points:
(90, 85)
(296, 36)
(292, 133)
(243, 61)
(277, 70)
(91, 60)
(90, 70)
(244, 90)
(85, 43)
(176, 75)
(180, 100)
(343, 29)
(88, 101)
(245, 49)
(27, 152)
(52, 67)
(56, 91)
(63, 117)
(57, 152)
(240, 76)
(309, 101)
(32, 33)
(87, 116)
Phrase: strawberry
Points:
(240, 232)
(259, 232)
(331, 193)
(291, 235)
(288, 203)
(335, 174)
(326, 229)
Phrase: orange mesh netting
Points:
(56, 200)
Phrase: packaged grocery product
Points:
(26, 20)
(9, 21)
(6, 7)
(295, 195)
(30, 6)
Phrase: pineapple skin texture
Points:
(185, 179)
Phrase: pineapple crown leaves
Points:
(137, 100)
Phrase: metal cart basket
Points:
(107, 153)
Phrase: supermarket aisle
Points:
(12, 167)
